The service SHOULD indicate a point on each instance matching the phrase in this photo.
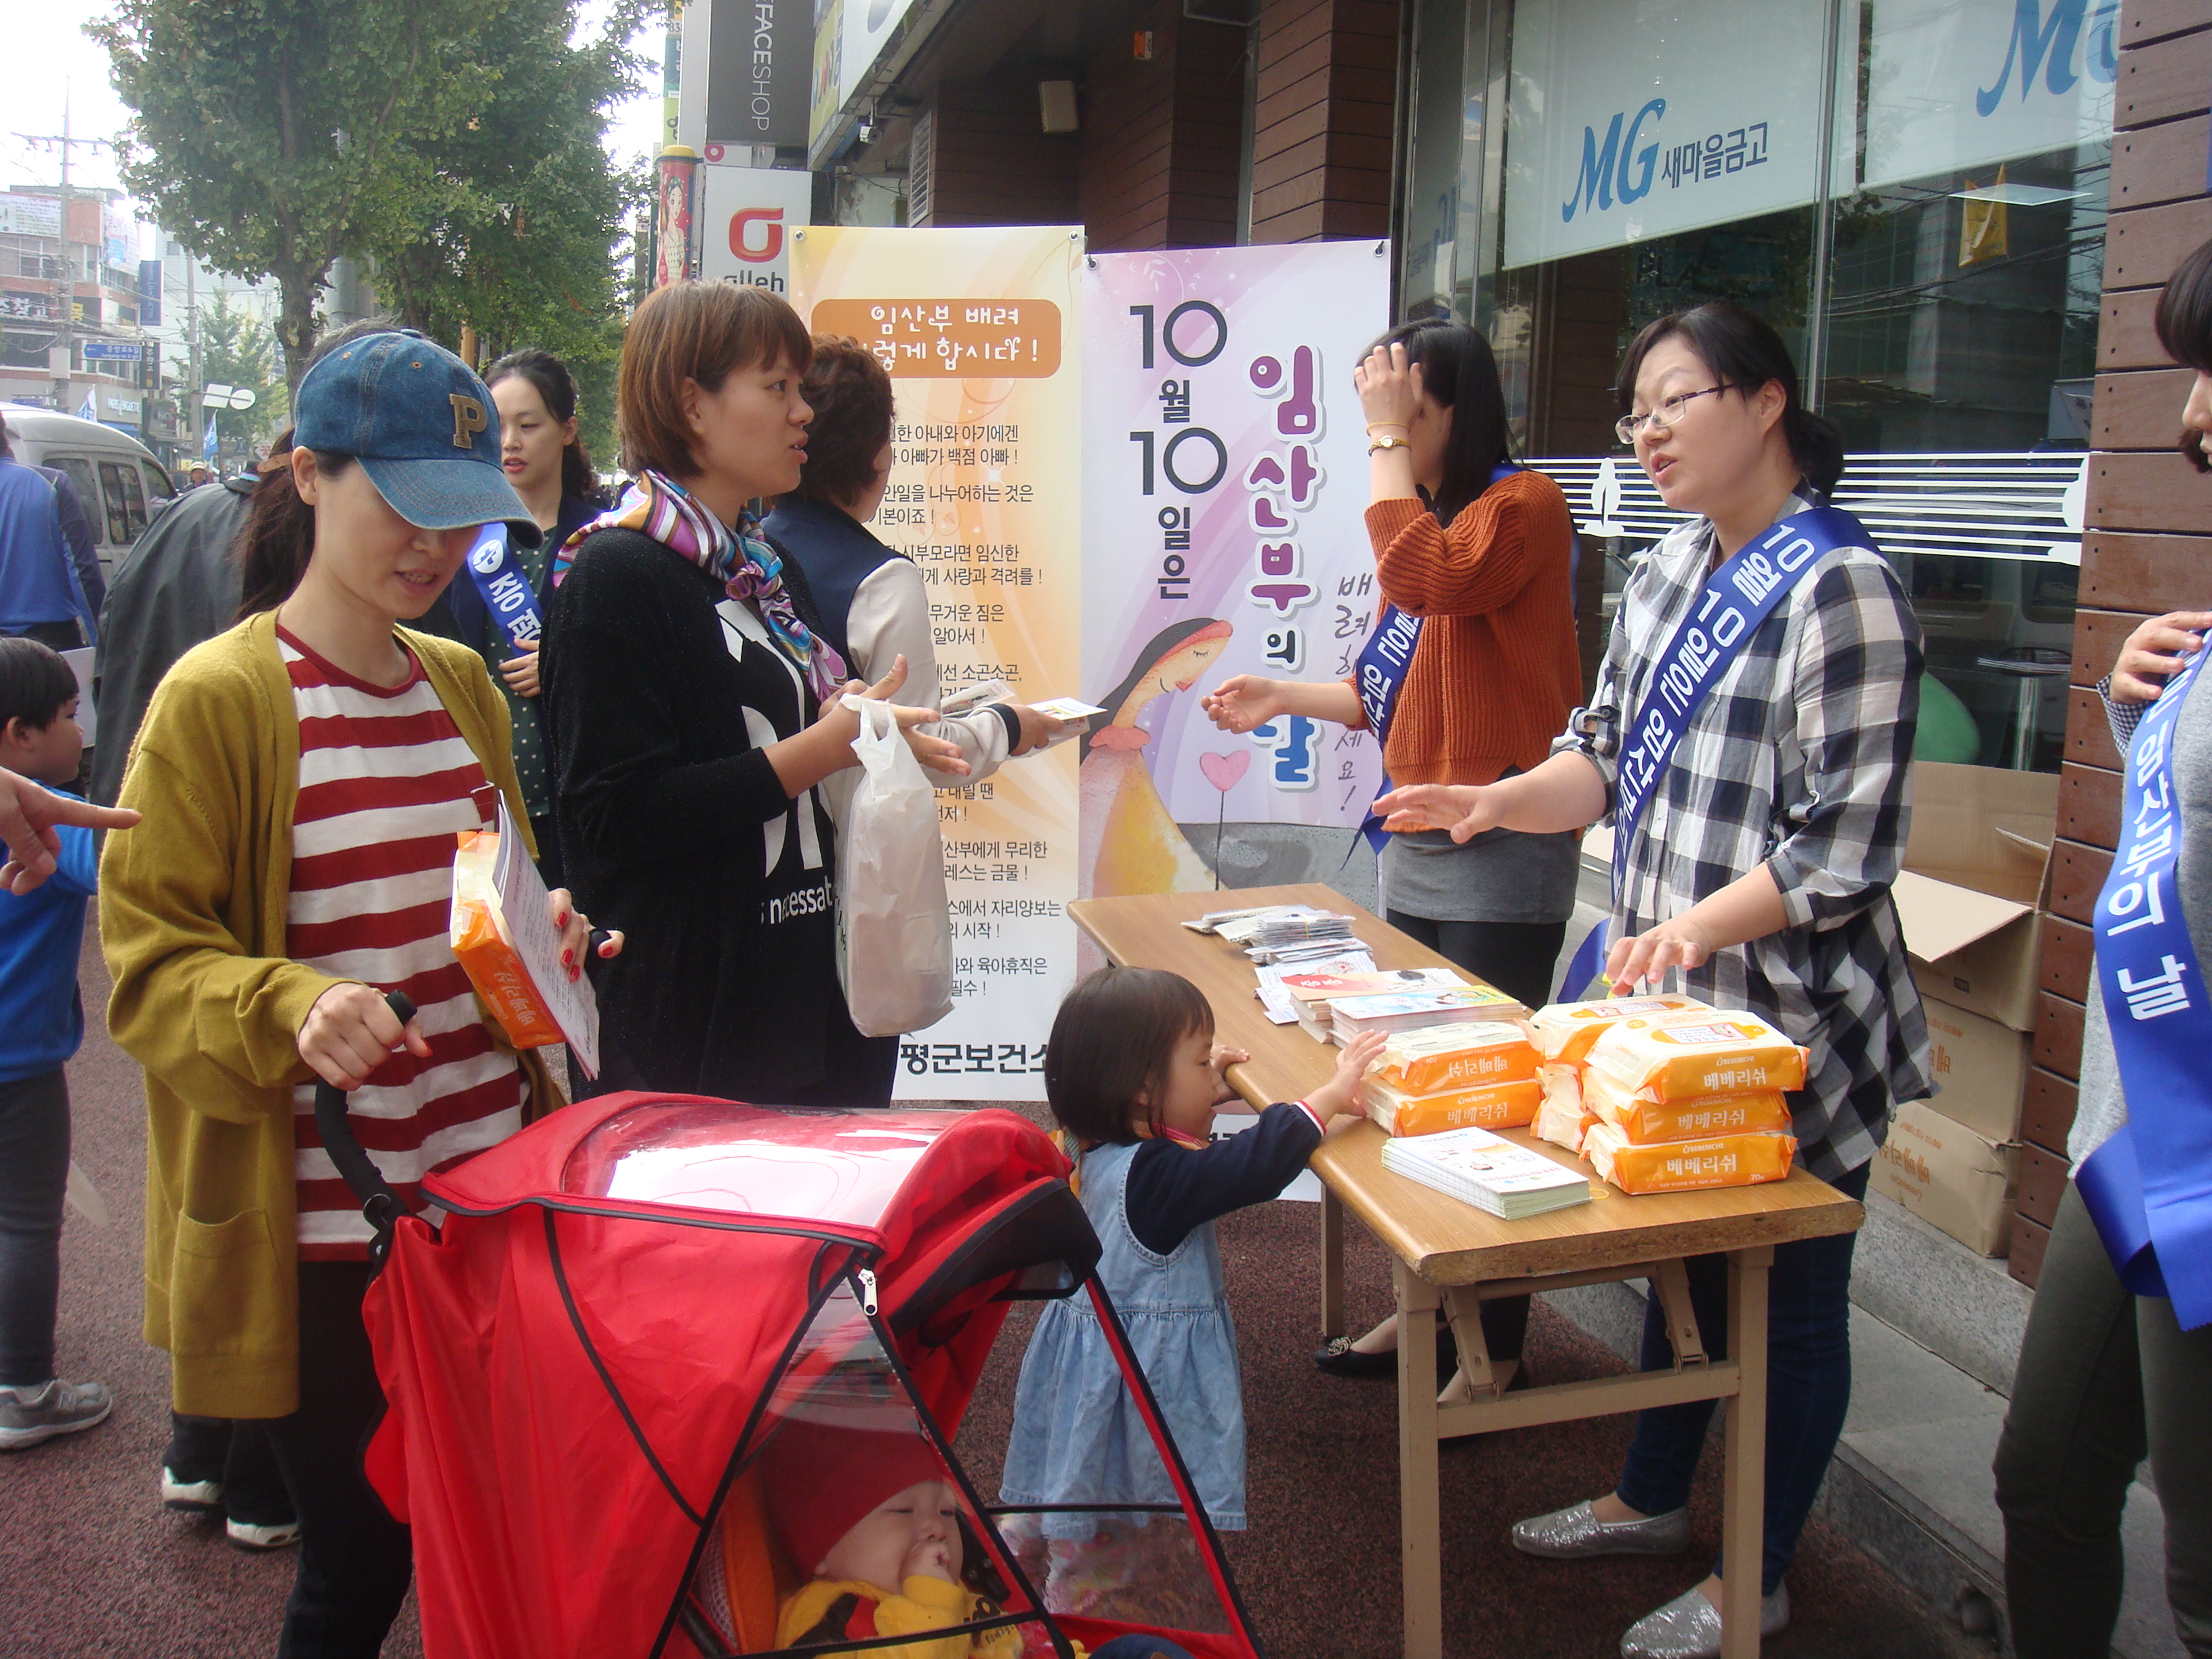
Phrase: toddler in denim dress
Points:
(1133, 1075)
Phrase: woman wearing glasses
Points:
(1759, 869)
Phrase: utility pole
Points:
(193, 347)
(65, 340)
(69, 273)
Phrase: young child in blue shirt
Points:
(41, 1022)
(1133, 1075)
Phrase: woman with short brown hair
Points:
(694, 708)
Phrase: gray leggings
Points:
(2105, 1377)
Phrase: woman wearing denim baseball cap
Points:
(307, 771)
(694, 705)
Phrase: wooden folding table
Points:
(1449, 1257)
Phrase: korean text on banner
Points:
(979, 330)
(1225, 482)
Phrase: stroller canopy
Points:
(628, 1300)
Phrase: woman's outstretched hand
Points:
(1243, 702)
(1465, 810)
(1644, 959)
(29, 817)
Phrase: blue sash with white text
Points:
(2149, 1187)
(507, 592)
(1737, 598)
(1380, 675)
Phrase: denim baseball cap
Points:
(421, 423)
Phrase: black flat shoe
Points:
(1339, 1358)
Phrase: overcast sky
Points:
(56, 61)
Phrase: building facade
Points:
(1957, 212)
(86, 353)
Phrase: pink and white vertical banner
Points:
(1225, 477)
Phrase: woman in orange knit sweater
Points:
(1482, 556)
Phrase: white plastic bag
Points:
(894, 930)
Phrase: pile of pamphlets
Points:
(1479, 1168)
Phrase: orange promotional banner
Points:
(981, 332)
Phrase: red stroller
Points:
(642, 1357)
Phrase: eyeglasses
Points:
(1662, 418)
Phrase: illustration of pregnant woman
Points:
(1129, 844)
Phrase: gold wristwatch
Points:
(1376, 444)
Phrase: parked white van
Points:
(121, 484)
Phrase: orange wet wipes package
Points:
(1647, 1123)
(1433, 1057)
(1684, 1055)
(484, 949)
(1483, 1106)
(1683, 1166)
(1565, 1030)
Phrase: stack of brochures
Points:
(1487, 1171)
(1400, 1010)
(1314, 992)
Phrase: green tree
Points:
(273, 136)
(238, 348)
(513, 237)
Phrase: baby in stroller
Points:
(876, 1527)
(886, 1548)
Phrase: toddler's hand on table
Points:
(1339, 1095)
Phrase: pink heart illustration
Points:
(1222, 771)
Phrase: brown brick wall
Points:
(1161, 138)
(1322, 134)
(2139, 557)
(991, 163)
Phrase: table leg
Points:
(1419, 1506)
(1743, 1506)
(1332, 1265)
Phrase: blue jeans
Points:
(1808, 1385)
(34, 1157)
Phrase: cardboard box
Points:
(1950, 1177)
(1977, 870)
(1981, 1070)
(1977, 874)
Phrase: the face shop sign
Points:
(760, 60)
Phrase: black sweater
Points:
(1170, 1189)
(677, 831)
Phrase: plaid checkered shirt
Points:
(1800, 759)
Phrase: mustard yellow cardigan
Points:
(191, 920)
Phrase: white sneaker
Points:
(247, 1536)
(28, 1416)
(189, 1497)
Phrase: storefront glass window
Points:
(1925, 228)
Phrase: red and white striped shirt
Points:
(385, 779)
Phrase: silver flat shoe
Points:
(1571, 1535)
(1689, 1627)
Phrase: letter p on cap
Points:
(469, 419)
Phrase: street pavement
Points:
(92, 1565)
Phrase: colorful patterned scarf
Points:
(749, 569)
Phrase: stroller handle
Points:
(379, 1203)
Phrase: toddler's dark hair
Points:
(1114, 1041)
(35, 683)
